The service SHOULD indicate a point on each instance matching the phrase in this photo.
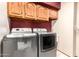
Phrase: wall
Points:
(64, 28)
(77, 31)
(20, 23)
(4, 23)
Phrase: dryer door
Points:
(47, 42)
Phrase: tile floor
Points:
(59, 54)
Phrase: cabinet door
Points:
(15, 9)
(30, 10)
(53, 14)
(42, 13)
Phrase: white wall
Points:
(64, 28)
(4, 22)
(77, 31)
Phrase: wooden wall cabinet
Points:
(30, 10)
(42, 13)
(15, 9)
(53, 14)
(56, 5)
(22, 10)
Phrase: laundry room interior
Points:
(39, 29)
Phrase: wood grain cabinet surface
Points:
(15, 9)
(42, 13)
(30, 10)
(53, 14)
